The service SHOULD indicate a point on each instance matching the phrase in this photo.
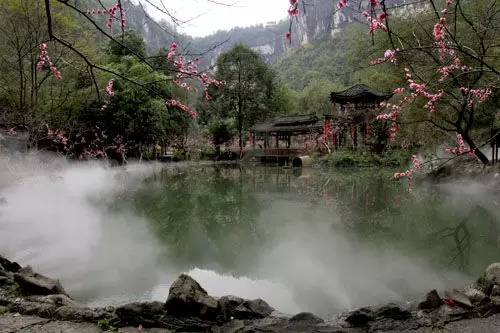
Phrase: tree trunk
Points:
(479, 154)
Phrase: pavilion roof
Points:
(290, 125)
(358, 94)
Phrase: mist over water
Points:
(60, 219)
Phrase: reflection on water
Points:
(318, 240)
(336, 238)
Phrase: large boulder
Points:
(147, 314)
(32, 283)
(459, 298)
(492, 274)
(8, 265)
(186, 298)
(233, 307)
(430, 301)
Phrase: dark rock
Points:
(232, 307)
(32, 283)
(307, 318)
(25, 308)
(492, 273)
(360, 317)
(495, 291)
(8, 265)
(147, 314)
(78, 314)
(186, 298)
(392, 311)
(430, 301)
(459, 298)
(3, 280)
(253, 309)
(57, 300)
(228, 304)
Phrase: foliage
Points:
(249, 93)
(355, 159)
(105, 325)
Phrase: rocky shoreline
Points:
(31, 302)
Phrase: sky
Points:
(207, 16)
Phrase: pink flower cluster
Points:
(57, 135)
(420, 90)
(174, 102)
(293, 11)
(393, 116)
(480, 94)
(11, 132)
(109, 88)
(187, 70)
(375, 23)
(109, 92)
(111, 13)
(388, 55)
(461, 147)
(409, 173)
(45, 60)
(341, 3)
(118, 145)
(94, 143)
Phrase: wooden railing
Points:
(274, 152)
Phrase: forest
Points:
(86, 79)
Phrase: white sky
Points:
(206, 17)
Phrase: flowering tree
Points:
(63, 57)
(448, 57)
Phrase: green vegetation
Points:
(249, 95)
(106, 326)
(137, 118)
(350, 158)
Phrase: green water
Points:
(359, 230)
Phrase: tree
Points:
(248, 95)
(448, 56)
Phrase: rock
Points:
(306, 318)
(459, 298)
(452, 313)
(360, 317)
(392, 311)
(57, 300)
(9, 266)
(232, 307)
(495, 291)
(147, 314)
(186, 298)
(430, 301)
(253, 309)
(32, 283)
(475, 295)
(492, 274)
(228, 304)
(3, 280)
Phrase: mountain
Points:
(319, 20)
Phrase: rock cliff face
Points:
(319, 18)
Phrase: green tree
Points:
(249, 93)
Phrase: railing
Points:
(274, 152)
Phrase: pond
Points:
(319, 240)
